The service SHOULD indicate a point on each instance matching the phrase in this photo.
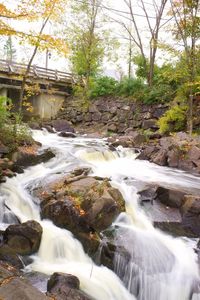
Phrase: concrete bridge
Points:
(49, 88)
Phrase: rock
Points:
(171, 198)
(137, 139)
(67, 134)
(37, 279)
(166, 143)
(93, 109)
(7, 255)
(96, 116)
(62, 125)
(65, 287)
(194, 153)
(34, 125)
(23, 239)
(83, 205)
(191, 213)
(152, 124)
(88, 117)
(160, 158)
(173, 159)
(148, 152)
(101, 202)
(112, 127)
(64, 214)
(25, 159)
(148, 195)
(126, 141)
(3, 149)
(14, 286)
(49, 128)
(103, 107)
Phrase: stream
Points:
(161, 267)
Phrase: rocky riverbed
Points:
(88, 205)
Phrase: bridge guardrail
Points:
(39, 72)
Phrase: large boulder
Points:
(191, 213)
(170, 197)
(85, 203)
(172, 210)
(63, 286)
(14, 286)
(62, 125)
(82, 204)
(23, 239)
(24, 158)
(132, 139)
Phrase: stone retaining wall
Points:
(116, 115)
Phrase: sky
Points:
(121, 14)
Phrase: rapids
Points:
(161, 267)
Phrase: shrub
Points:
(5, 105)
(158, 94)
(13, 132)
(103, 86)
(173, 120)
(131, 87)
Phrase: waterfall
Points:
(160, 267)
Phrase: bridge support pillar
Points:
(3, 92)
(47, 105)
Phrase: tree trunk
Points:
(21, 97)
(190, 115)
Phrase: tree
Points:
(87, 39)
(9, 50)
(154, 25)
(49, 10)
(187, 30)
(33, 10)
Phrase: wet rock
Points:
(6, 169)
(148, 195)
(34, 125)
(64, 214)
(8, 255)
(37, 279)
(14, 286)
(148, 152)
(132, 139)
(108, 251)
(67, 134)
(62, 125)
(83, 205)
(25, 159)
(101, 202)
(49, 128)
(65, 287)
(170, 197)
(191, 213)
(23, 239)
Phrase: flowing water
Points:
(160, 267)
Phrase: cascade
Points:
(160, 267)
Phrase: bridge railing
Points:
(38, 72)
